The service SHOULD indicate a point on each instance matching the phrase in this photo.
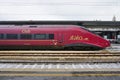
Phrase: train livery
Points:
(50, 37)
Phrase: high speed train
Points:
(72, 37)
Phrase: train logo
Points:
(77, 37)
(26, 31)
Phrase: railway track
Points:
(59, 56)
(60, 69)
(59, 63)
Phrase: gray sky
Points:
(59, 9)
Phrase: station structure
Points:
(107, 29)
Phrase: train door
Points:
(60, 39)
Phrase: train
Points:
(67, 37)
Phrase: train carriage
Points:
(49, 37)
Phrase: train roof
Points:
(82, 23)
(41, 27)
(38, 26)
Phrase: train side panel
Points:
(62, 37)
(31, 41)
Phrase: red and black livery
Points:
(50, 37)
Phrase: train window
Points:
(51, 36)
(11, 36)
(1, 36)
(40, 36)
(25, 36)
(88, 30)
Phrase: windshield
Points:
(88, 30)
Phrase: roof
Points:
(38, 26)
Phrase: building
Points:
(107, 29)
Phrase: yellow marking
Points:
(37, 74)
(57, 58)
(57, 70)
(77, 37)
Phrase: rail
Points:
(59, 56)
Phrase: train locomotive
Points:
(70, 37)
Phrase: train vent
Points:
(32, 26)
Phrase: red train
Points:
(49, 37)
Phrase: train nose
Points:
(107, 44)
(104, 43)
